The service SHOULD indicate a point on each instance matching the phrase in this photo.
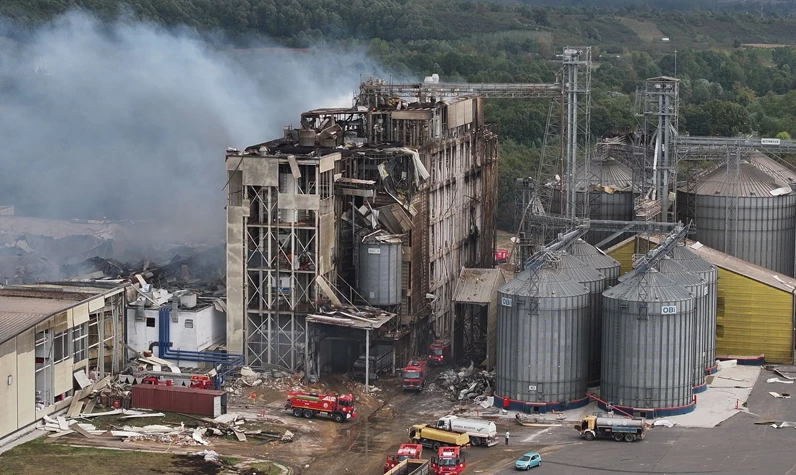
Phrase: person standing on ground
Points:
(507, 437)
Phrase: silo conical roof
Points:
(606, 173)
(672, 269)
(758, 176)
(550, 281)
(659, 288)
(690, 260)
(577, 269)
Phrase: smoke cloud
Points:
(131, 120)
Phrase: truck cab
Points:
(413, 376)
(448, 460)
(439, 353)
(405, 452)
(617, 428)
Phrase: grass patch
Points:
(169, 418)
(230, 460)
(41, 457)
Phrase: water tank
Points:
(379, 270)
(287, 185)
(765, 224)
(699, 289)
(695, 264)
(598, 260)
(648, 345)
(594, 281)
(542, 357)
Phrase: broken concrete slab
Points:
(779, 396)
(777, 380)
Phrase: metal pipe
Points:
(367, 361)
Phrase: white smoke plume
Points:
(131, 121)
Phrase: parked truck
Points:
(449, 460)
(428, 436)
(410, 467)
(439, 353)
(413, 376)
(405, 452)
(480, 432)
(617, 428)
(338, 407)
(380, 362)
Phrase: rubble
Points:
(467, 384)
(777, 380)
(209, 455)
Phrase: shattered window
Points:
(61, 346)
(80, 342)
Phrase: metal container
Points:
(159, 397)
(610, 193)
(379, 270)
(306, 137)
(594, 281)
(699, 289)
(542, 357)
(709, 273)
(765, 225)
(648, 343)
(598, 260)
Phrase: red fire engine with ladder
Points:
(405, 451)
(448, 460)
(338, 407)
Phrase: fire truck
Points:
(338, 407)
(413, 376)
(439, 353)
(405, 452)
(448, 460)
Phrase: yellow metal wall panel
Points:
(95, 304)
(753, 319)
(26, 378)
(80, 313)
(624, 254)
(63, 377)
(8, 392)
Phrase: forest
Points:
(736, 60)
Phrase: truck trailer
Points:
(617, 428)
(480, 432)
(428, 436)
(380, 362)
(410, 467)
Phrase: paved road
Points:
(737, 446)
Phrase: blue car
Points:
(528, 461)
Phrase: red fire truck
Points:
(413, 376)
(338, 407)
(405, 451)
(448, 460)
(439, 353)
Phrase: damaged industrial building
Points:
(355, 227)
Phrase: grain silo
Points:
(710, 275)
(598, 260)
(379, 269)
(594, 281)
(542, 352)
(758, 203)
(610, 196)
(648, 339)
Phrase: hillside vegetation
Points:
(727, 88)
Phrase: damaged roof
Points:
(364, 318)
(23, 308)
(477, 285)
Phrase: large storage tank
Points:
(594, 281)
(765, 223)
(598, 260)
(610, 194)
(699, 289)
(379, 270)
(648, 356)
(542, 358)
(695, 264)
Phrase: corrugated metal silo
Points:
(648, 356)
(594, 281)
(765, 223)
(598, 260)
(710, 275)
(379, 270)
(542, 358)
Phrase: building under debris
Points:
(55, 341)
(362, 218)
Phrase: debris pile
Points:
(276, 379)
(466, 383)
